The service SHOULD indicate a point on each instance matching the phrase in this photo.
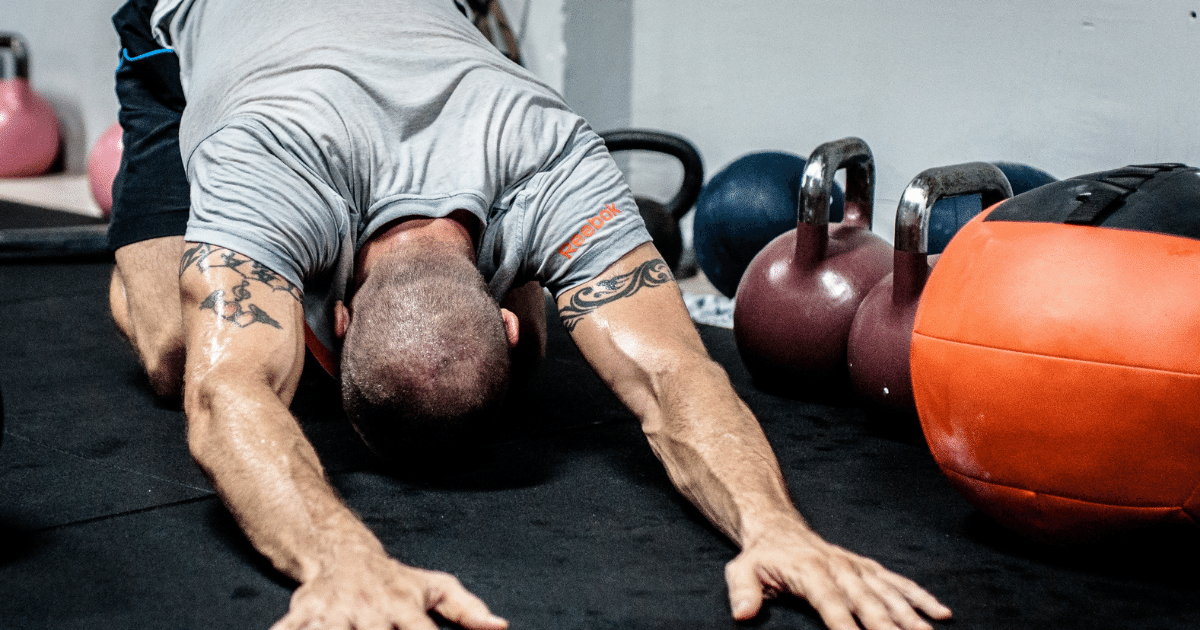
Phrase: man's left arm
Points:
(632, 326)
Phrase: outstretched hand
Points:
(378, 592)
(840, 585)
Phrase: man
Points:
(374, 172)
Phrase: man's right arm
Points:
(243, 329)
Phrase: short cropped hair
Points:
(425, 359)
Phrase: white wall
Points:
(599, 64)
(538, 25)
(1069, 86)
(72, 63)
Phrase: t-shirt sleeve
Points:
(249, 194)
(581, 218)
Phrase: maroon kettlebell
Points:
(797, 297)
(881, 334)
(28, 126)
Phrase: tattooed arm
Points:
(243, 330)
(633, 328)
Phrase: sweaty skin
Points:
(242, 325)
(243, 330)
(633, 327)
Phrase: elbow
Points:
(165, 372)
(204, 437)
(230, 416)
(681, 394)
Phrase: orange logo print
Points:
(589, 229)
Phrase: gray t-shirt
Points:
(312, 123)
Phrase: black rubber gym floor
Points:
(568, 521)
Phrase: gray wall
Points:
(539, 25)
(599, 63)
(1071, 86)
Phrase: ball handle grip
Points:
(911, 256)
(15, 45)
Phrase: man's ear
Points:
(512, 327)
(341, 319)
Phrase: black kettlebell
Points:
(662, 219)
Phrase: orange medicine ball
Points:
(1056, 355)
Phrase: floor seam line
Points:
(106, 465)
(104, 517)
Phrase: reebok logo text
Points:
(589, 229)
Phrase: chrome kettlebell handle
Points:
(816, 187)
(912, 215)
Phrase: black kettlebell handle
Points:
(660, 142)
(816, 188)
(16, 45)
(972, 178)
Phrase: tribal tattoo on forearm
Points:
(233, 305)
(649, 274)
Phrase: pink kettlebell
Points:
(28, 126)
(103, 163)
